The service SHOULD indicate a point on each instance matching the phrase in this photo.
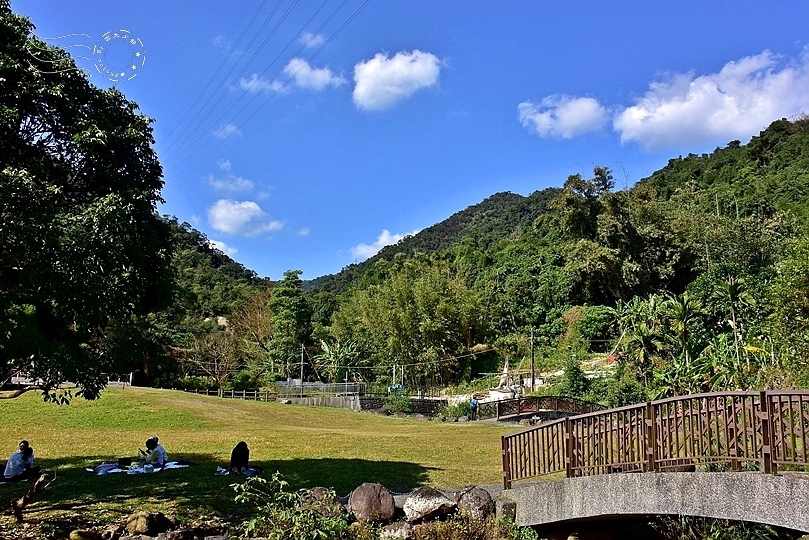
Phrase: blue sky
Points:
(305, 135)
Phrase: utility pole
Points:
(301, 369)
(533, 374)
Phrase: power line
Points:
(225, 57)
(256, 35)
(283, 85)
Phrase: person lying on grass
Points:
(155, 454)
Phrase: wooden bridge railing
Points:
(506, 408)
(750, 430)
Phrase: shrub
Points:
(245, 380)
(194, 382)
(281, 516)
(462, 408)
(462, 526)
(398, 401)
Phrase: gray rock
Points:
(147, 523)
(401, 529)
(475, 501)
(323, 501)
(505, 508)
(372, 502)
(427, 503)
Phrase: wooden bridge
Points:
(757, 433)
(523, 407)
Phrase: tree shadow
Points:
(195, 489)
(343, 475)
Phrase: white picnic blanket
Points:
(112, 468)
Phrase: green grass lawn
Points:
(310, 446)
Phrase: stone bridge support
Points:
(781, 500)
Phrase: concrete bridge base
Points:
(781, 500)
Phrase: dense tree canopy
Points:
(83, 254)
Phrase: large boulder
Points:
(475, 501)
(372, 502)
(427, 503)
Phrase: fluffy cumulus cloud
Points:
(299, 73)
(224, 248)
(363, 251)
(240, 218)
(305, 76)
(562, 116)
(381, 82)
(735, 103)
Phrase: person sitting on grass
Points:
(20, 464)
(155, 454)
(239, 458)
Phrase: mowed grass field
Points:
(309, 446)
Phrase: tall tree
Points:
(81, 247)
(291, 322)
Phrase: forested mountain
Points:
(695, 278)
(497, 217)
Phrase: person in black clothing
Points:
(239, 458)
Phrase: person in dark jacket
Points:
(239, 458)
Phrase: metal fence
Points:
(505, 409)
(745, 430)
(254, 395)
(295, 388)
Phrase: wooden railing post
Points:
(506, 463)
(650, 438)
(568, 448)
(766, 431)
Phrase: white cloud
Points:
(303, 231)
(255, 84)
(735, 103)
(305, 76)
(381, 82)
(230, 183)
(245, 218)
(224, 248)
(310, 40)
(225, 131)
(562, 116)
(298, 72)
(223, 164)
(363, 251)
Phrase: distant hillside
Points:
(769, 173)
(497, 217)
(209, 283)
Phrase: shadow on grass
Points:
(194, 491)
(343, 475)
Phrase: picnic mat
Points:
(112, 468)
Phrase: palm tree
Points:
(732, 295)
(682, 311)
